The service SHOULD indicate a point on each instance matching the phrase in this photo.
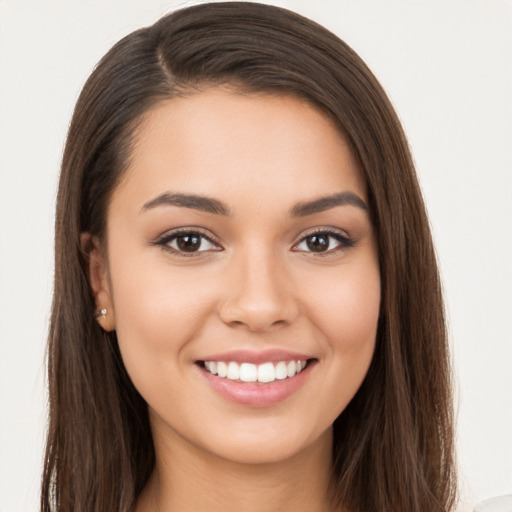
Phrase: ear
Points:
(99, 280)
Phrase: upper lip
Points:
(257, 356)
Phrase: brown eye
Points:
(324, 242)
(188, 243)
(317, 243)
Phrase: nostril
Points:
(259, 299)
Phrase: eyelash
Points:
(344, 242)
(166, 239)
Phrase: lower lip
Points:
(257, 395)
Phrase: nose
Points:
(258, 295)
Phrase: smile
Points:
(256, 384)
(249, 372)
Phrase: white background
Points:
(447, 66)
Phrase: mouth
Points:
(255, 373)
(257, 385)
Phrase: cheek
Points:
(352, 332)
(157, 310)
(346, 309)
(343, 308)
(348, 319)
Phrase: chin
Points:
(268, 445)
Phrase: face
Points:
(242, 275)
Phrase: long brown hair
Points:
(393, 444)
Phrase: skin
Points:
(257, 285)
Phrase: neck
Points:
(186, 479)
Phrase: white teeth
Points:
(222, 369)
(248, 372)
(292, 368)
(281, 370)
(233, 371)
(266, 372)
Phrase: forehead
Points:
(229, 145)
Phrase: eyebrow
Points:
(210, 205)
(205, 204)
(326, 203)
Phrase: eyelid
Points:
(164, 239)
(345, 240)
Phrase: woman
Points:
(247, 311)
